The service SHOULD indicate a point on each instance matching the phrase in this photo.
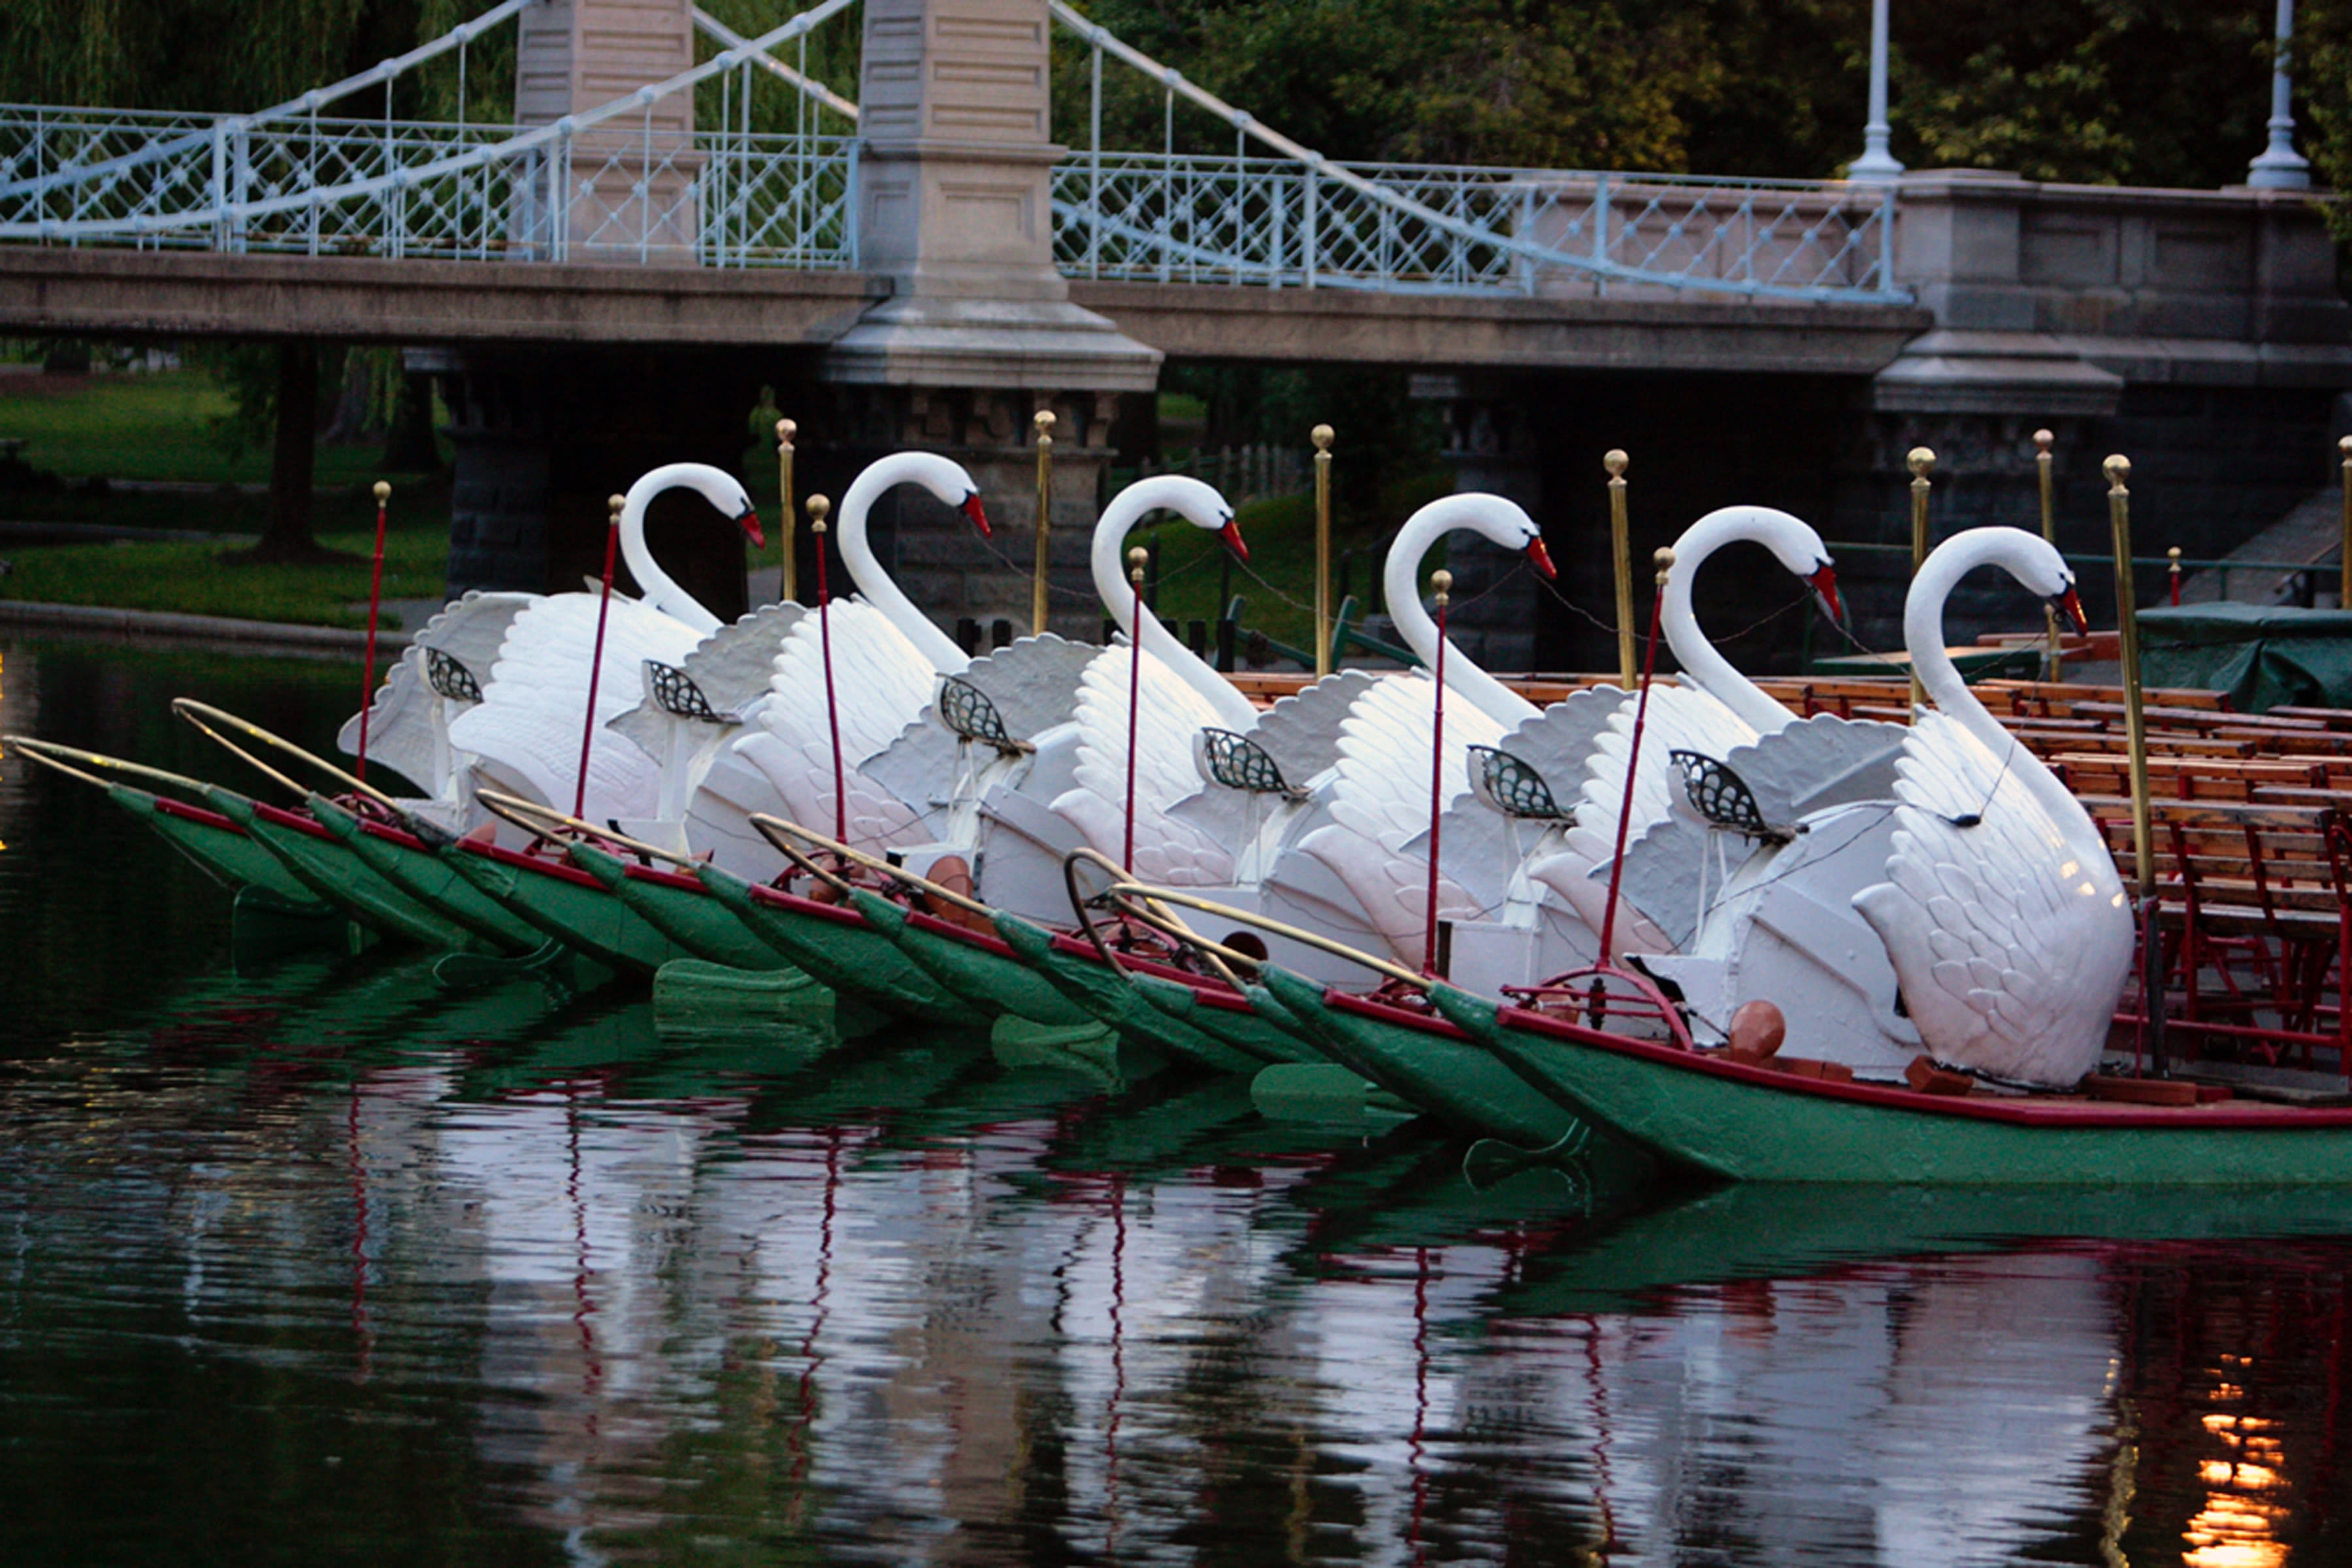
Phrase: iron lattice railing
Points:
(1279, 223)
(399, 189)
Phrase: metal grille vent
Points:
(966, 709)
(677, 694)
(1723, 798)
(1511, 786)
(450, 678)
(1237, 762)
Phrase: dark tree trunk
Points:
(408, 446)
(293, 458)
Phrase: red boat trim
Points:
(1388, 1013)
(522, 862)
(987, 941)
(278, 817)
(2017, 1112)
(196, 813)
(660, 877)
(1209, 991)
(797, 905)
(391, 834)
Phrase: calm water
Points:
(304, 1260)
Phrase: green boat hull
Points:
(1430, 1066)
(1107, 995)
(567, 905)
(1760, 1124)
(413, 867)
(221, 849)
(681, 909)
(836, 948)
(334, 874)
(1255, 1033)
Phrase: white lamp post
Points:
(2280, 167)
(1876, 163)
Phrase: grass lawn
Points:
(192, 578)
(151, 424)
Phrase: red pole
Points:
(1444, 583)
(1136, 558)
(1633, 760)
(819, 509)
(375, 603)
(596, 660)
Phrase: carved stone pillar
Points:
(637, 171)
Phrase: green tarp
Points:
(2260, 657)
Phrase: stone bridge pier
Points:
(962, 331)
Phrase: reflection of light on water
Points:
(2238, 1526)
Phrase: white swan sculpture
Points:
(1714, 709)
(885, 655)
(2002, 910)
(1358, 869)
(1073, 791)
(424, 720)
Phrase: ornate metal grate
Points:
(1237, 762)
(1723, 797)
(1512, 787)
(449, 676)
(677, 694)
(966, 709)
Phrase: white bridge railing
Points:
(1279, 223)
(406, 189)
(608, 184)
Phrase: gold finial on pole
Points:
(819, 509)
(1043, 419)
(788, 586)
(2118, 470)
(2344, 594)
(1664, 562)
(1921, 462)
(383, 490)
(1137, 560)
(1322, 435)
(1620, 544)
(2052, 663)
(2173, 570)
(1441, 581)
(613, 507)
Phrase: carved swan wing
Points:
(526, 728)
(2008, 927)
(880, 679)
(1379, 804)
(448, 662)
(1166, 848)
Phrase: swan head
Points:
(1201, 505)
(1793, 541)
(717, 486)
(2036, 565)
(946, 479)
(1501, 522)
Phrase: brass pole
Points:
(2343, 595)
(2052, 664)
(2118, 470)
(1044, 421)
(1325, 655)
(1922, 463)
(788, 586)
(1621, 545)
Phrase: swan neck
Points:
(655, 587)
(1400, 585)
(1118, 594)
(1940, 679)
(873, 580)
(1706, 668)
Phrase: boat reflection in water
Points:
(324, 1261)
